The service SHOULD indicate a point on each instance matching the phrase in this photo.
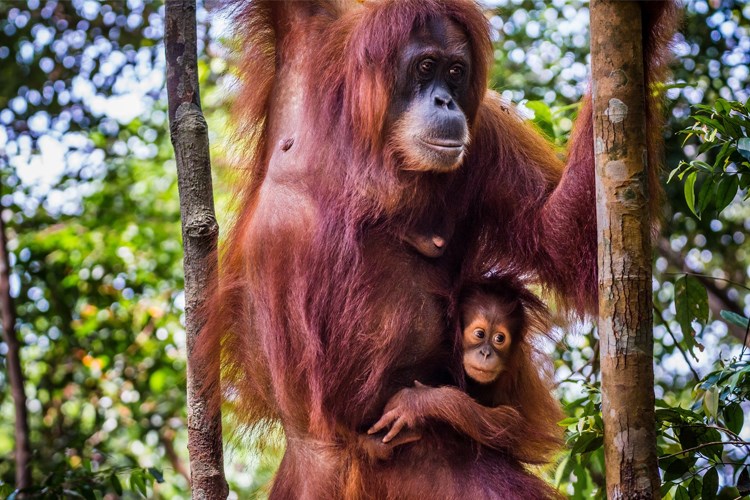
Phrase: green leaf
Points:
(675, 470)
(691, 303)
(690, 192)
(729, 493)
(584, 443)
(116, 484)
(710, 484)
(560, 471)
(702, 165)
(687, 437)
(726, 190)
(743, 481)
(722, 156)
(137, 483)
(5, 490)
(88, 493)
(542, 117)
(675, 171)
(705, 195)
(594, 444)
(568, 421)
(735, 318)
(711, 402)
(669, 416)
(695, 487)
(682, 493)
(743, 147)
(734, 417)
(664, 490)
(714, 450)
(709, 122)
(156, 474)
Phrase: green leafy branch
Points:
(88, 484)
(722, 131)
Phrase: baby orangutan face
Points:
(487, 340)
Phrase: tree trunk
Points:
(625, 300)
(13, 362)
(200, 233)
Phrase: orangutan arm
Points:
(409, 408)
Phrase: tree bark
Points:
(13, 362)
(200, 233)
(625, 297)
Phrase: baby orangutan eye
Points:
(499, 338)
(479, 334)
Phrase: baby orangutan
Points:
(508, 403)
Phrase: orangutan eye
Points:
(456, 72)
(479, 333)
(426, 67)
(499, 338)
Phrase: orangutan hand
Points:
(402, 412)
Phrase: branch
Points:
(167, 440)
(665, 324)
(593, 363)
(15, 372)
(704, 445)
(199, 233)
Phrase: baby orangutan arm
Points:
(410, 407)
(375, 448)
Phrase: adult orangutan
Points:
(371, 134)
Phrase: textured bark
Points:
(15, 373)
(199, 232)
(625, 301)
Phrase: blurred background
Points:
(90, 209)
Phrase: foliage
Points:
(84, 482)
(723, 133)
(698, 444)
(702, 443)
(584, 433)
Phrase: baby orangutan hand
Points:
(403, 411)
(375, 449)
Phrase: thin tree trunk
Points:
(13, 362)
(199, 232)
(625, 300)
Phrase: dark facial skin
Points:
(429, 124)
(487, 341)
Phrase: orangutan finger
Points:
(384, 422)
(399, 424)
